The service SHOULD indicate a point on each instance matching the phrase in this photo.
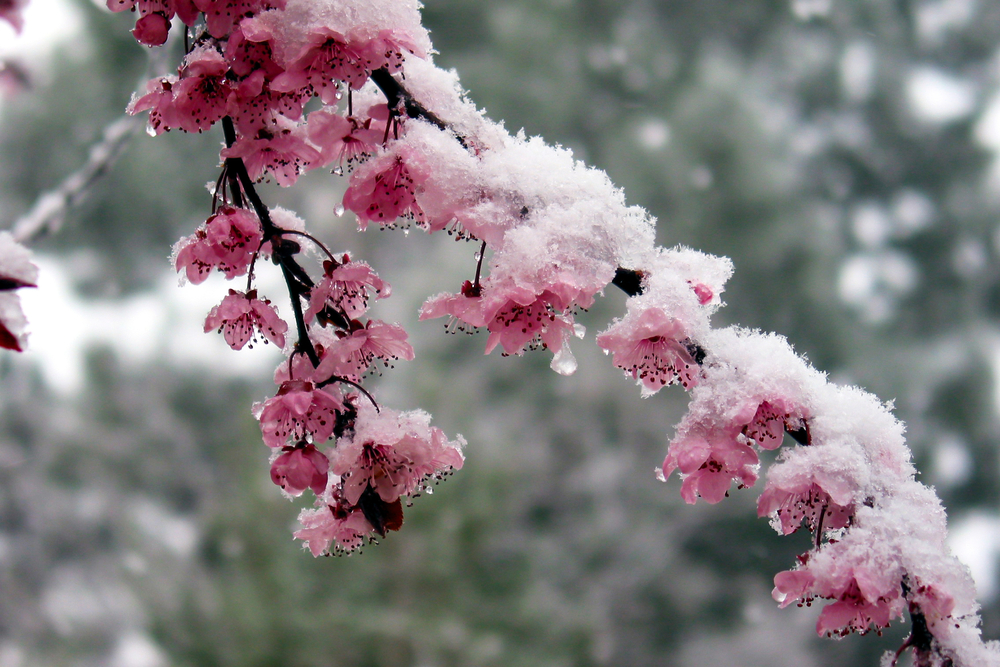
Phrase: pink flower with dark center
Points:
(393, 454)
(388, 50)
(227, 241)
(326, 59)
(385, 192)
(159, 100)
(256, 108)
(299, 467)
(299, 409)
(246, 55)
(343, 139)
(333, 528)
(222, 15)
(650, 348)
(353, 353)
(241, 316)
(284, 154)
(709, 465)
(345, 288)
(465, 307)
(810, 504)
(524, 320)
(201, 97)
(769, 422)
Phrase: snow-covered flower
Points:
(241, 316)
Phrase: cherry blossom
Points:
(241, 316)
(394, 454)
(333, 528)
(298, 410)
(385, 191)
(653, 349)
(298, 467)
(343, 139)
(345, 288)
(227, 241)
(352, 353)
(709, 463)
(284, 153)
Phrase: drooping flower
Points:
(709, 463)
(325, 59)
(343, 139)
(333, 528)
(241, 316)
(353, 352)
(227, 242)
(201, 96)
(346, 287)
(652, 348)
(298, 410)
(393, 454)
(298, 467)
(284, 153)
(385, 191)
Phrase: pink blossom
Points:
(222, 15)
(394, 454)
(299, 409)
(703, 292)
(227, 241)
(152, 29)
(865, 593)
(256, 108)
(325, 59)
(246, 56)
(333, 528)
(388, 49)
(299, 467)
(284, 154)
(342, 139)
(201, 97)
(241, 316)
(650, 348)
(793, 504)
(345, 288)
(159, 101)
(524, 319)
(767, 426)
(466, 306)
(709, 464)
(385, 191)
(353, 352)
(154, 17)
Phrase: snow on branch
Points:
(554, 234)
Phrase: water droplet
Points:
(429, 490)
(579, 330)
(339, 211)
(564, 362)
(338, 171)
(479, 256)
(406, 232)
(150, 130)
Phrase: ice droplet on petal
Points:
(564, 362)
(660, 476)
(150, 130)
(579, 330)
(338, 171)
(339, 211)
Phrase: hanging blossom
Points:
(298, 467)
(299, 410)
(241, 316)
(227, 241)
(344, 290)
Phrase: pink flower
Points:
(154, 17)
(256, 108)
(343, 139)
(352, 353)
(767, 426)
(222, 15)
(803, 502)
(227, 241)
(865, 593)
(326, 59)
(385, 191)
(299, 409)
(525, 319)
(388, 50)
(333, 528)
(393, 454)
(241, 315)
(466, 306)
(300, 467)
(709, 464)
(345, 288)
(201, 97)
(650, 348)
(284, 153)
(152, 29)
(159, 100)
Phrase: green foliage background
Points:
(136, 518)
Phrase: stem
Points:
(311, 238)
(479, 267)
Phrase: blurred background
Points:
(843, 153)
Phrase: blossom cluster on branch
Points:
(553, 235)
